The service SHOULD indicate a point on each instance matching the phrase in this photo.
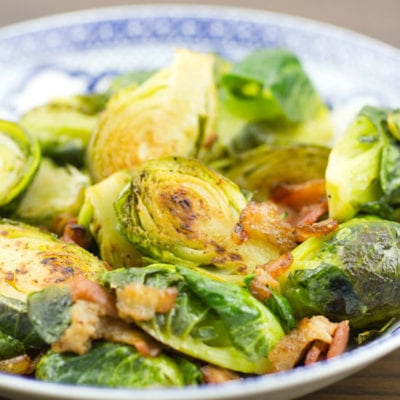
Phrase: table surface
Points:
(381, 380)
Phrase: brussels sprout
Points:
(114, 365)
(212, 320)
(63, 126)
(176, 210)
(172, 113)
(32, 259)
(98, 216)
(19, 161)
(353, 273)
(260, 169)
(45, 199)
(363, 168)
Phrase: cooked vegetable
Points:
(10, 347)
(19, 161)
(32, 259)
(260, 169)
(363, 169)
(45, 200)
(176, 210)
(17, 327)
(63, 126)
(114, 365)
(172, 113)
(212, 320)
(353, 274)
(98, 216)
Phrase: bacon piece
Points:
(214, 375)
(303, 232)
(316, 353)
(88, 322)
(298, 195)
(277, 267)
(265, 220)
(340, 340)
(259, 288)
(309, 214)
(75, 233)
(140, 303)
(288, 352)
(84, 289)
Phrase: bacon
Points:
(84, 289)
(259, 288)
(288, 352)
(138, 302)
(297, 196)
(309, 214)
(277, 267)
(214, 375)
(316, 353)
(340, 340)
(265, 220)
(303, 232)
(75, 233)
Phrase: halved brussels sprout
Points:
(177, 210)
(63, 126)
(260, 169)
(353, 273)
(98, 216)
(19, 161)
(172, 113)
(54, 191)
(212, 320)
(31, 259)
(363, 169)
(116, 365)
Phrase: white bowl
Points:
(78, 52)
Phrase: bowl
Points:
(80, 52)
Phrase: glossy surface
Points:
(71, 53)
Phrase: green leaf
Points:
(10, 346)
(49, 312)
(273, 78)
(114, 365)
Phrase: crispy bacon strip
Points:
(139, 302)
(259, 287)
(316, 353)
(340, 340)
(265, 220)
(214, 375)
(84, 289)
(75, 233)
(277, 267)
(297, 196)
(309, 214)
(88, 322)
(288, 352)
(303, 232)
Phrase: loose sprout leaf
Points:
(113, 365)
(10, 347)
(352, 273)
(273, 78)
(252, 328)
(49, 312)
(20, 158)
(210, 332)
(14, 322)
